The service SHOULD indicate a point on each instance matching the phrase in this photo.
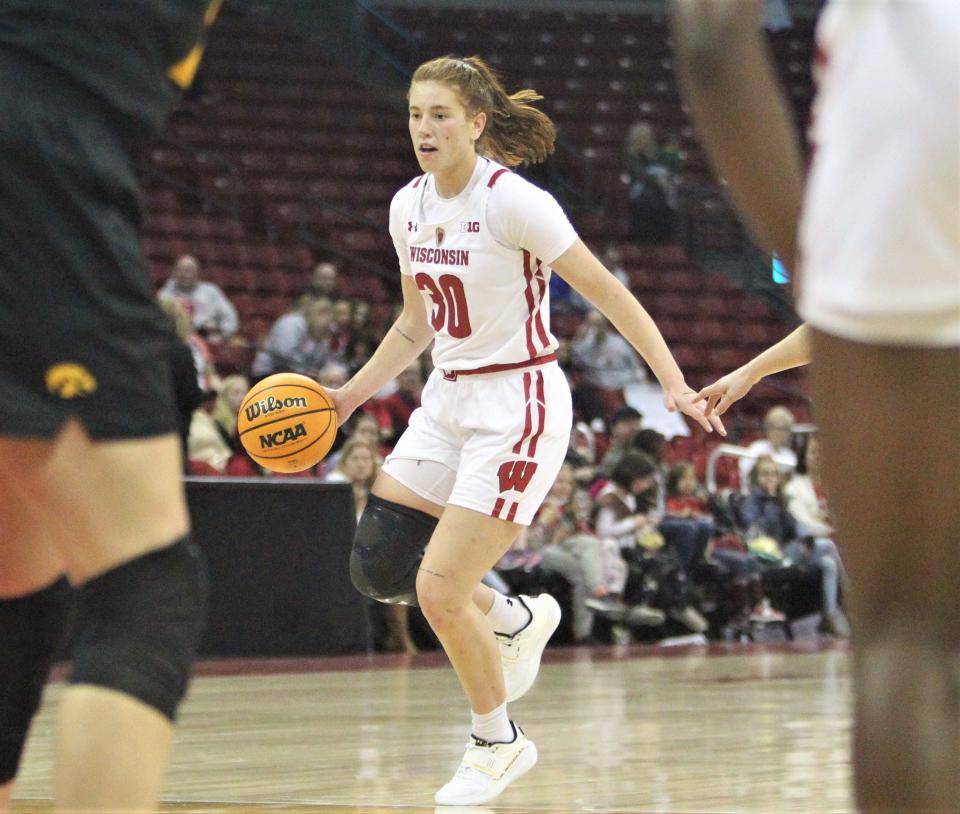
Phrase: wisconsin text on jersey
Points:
(440, 257)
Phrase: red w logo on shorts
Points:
(516, 475)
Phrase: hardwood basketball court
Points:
(756, 729)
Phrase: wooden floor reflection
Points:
(632, 730)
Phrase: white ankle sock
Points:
(493, 726)
(507, 614)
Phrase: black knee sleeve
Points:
(138, 626)
(387, 550)
(31, 633)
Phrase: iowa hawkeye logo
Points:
(515, 475)
(281, 437)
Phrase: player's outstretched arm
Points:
(407, 338)
(589, 277)
(791, 351)
(741, 115)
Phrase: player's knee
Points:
(31, 633)
(387, 549)
(438, 605)
(138, 626)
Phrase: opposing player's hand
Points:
(725, 391)
(689, 403)
(345, 408)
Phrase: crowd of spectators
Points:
(636, 546)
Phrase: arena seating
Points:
(285, 157)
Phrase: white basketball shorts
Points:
(505, 435)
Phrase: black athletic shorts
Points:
(80, 331)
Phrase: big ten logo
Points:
(271, 405)
(69, 380)
(516, 475)
(281, 437)
(471, 226)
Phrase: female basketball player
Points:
(90, 461)
(880, 291)
(476, 245)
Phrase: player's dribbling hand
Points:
(340, 400)
(725, 391)
(690, 403)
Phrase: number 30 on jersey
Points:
(449, 304)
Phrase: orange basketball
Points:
(287, 423)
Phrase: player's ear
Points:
(479, 124)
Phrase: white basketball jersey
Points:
(488, 302)
(880, 234)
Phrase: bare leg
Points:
(104, 504)
(891, 449)
(464, 547)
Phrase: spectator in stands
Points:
(763, 511)
(341, 327)
(397, 408)
(606, 364)
(208, 380)
(297, 342)
(622, 518)
(624, 425)
(582, 454)
(324, 284)
(650, 186)
(212, 314)
(360, 325)
(213, 446)
(561, 541)
(807, 502)
(778, 426)
(359, 466)
(742, 582)
(188, 395)
(362, 426)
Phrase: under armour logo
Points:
(411, 226)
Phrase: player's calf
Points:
(31, 633)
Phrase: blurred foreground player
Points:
(880, 291)
(89, 457)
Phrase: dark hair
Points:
(675, 474)
(634, 464)
(626, 414)
(516, 132)
(649, 441)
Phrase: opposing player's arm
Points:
(742, 117)
(791, 351)
(407, 338)
(589, 277)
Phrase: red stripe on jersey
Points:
(531, 305)
(542, 415)
(497, 507)
(495, 177)
(541, 331)
(512, 513)
(528, 418)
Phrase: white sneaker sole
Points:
(552, 614)
(523, 764)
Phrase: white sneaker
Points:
(520, 653)
(487, 769)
